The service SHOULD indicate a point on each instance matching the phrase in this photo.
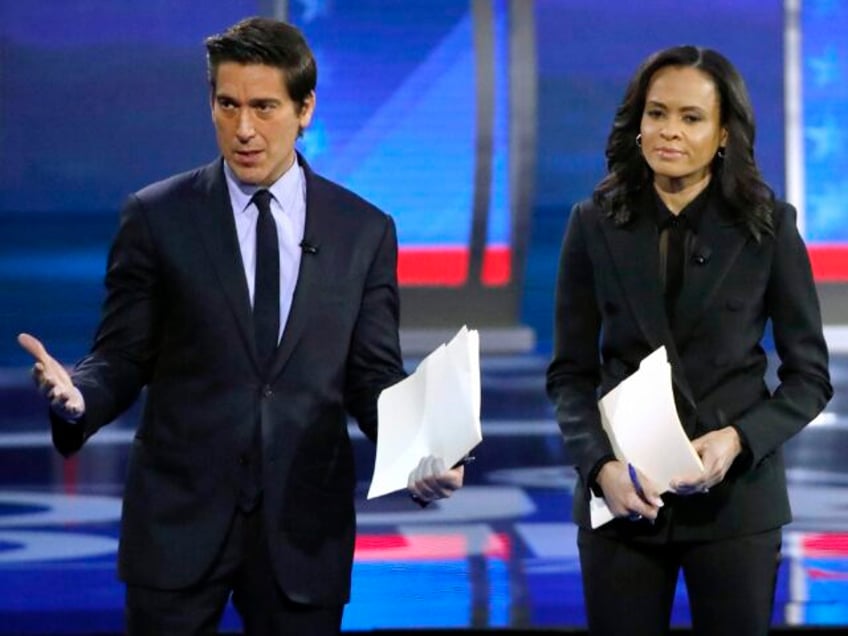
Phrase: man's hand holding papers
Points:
(429, 421)
(432, 480)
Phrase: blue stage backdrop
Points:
(420, 108)
(97, 99)
(414, 113)
(587, 53)
(824, 107)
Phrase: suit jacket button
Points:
(243, 460)
(266, 391)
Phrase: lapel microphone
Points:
(701, 254)
(308, 248)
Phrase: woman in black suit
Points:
(683, 245)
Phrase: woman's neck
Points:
(677, 193)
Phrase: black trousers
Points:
(243, 570)
(629, 586)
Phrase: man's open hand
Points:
(53, 380)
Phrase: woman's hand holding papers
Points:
(633, 496)
(717, 450)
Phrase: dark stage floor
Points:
(500, 554)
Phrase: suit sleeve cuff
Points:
(591, 478)
(745, 454)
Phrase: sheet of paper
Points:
(435, 411)
(640, 418)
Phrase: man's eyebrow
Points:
(264, 101)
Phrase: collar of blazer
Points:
(634, 254)
(213, 217)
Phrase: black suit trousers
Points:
(629, 586)
(243, 569)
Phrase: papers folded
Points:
(641, 420)
(435, 411)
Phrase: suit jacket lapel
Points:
(213, 217)
(634, 250)
(718, 244)
(309, 278)
(634, 253)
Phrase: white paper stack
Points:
(640, 418)
(435, 411)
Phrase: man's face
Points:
(256, 122)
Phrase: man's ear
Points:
(307, 108)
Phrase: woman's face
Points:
(681, 126)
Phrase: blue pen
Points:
(634, 479)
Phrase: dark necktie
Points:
(266, 298)
(675, 228)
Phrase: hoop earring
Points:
(720, 153)
(639, 140)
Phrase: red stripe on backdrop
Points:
(824, 544)
(446, 266)
(497, 266)
(434, 266)
(829, 261)
(427, 547)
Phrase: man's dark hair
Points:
(749, 198)
(269, 42)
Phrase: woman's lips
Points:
(669, 153)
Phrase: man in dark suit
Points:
(258, 304)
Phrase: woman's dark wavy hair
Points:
(749, 198)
